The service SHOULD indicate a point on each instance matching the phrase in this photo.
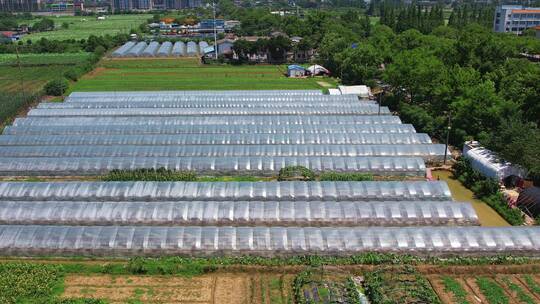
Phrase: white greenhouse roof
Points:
(190, 241)
(488, 163)
(226, 191)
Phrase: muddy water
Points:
(486, 215)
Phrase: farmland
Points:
(178, 280)
(36, 70)
(188, 74)
(82, 27)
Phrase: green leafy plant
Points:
(492, 291)
(24, 282)
(345, 176)
(160, 174)
(522, 296)
(458, 293)
(295, 173)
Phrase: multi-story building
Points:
(20, 5)
(515, 18)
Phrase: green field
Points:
(188, 74)
(36, 70)
(80, 27)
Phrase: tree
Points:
(65, 25)
(359, 65)
(278, 48)
(56, 87)
(45, 24)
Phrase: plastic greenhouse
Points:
(208, 120)
(225, 191)
(243, 213)
(191, 48)
(202, 46)
(122, 51)
(236, 93)
(151, 49)
(264, 241)
(213, 139)
(433, 153)
(165, 49)
(360, 110)
(207, 129)
(217, 99)
(137, 50)
(249, 165)
(179, 49)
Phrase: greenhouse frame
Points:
(151, 49)
(210, 120)
(235, 93)
(360, 110)
(208, 129)
(243, 213)
(226, 191)
(165, 49)
(191, 48)
(248, 165)
(213, 139)
(428, 152)
(137, 50)
(179, 49)
(31, 240)
(122, 51)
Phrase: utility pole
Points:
(215, 31)
(448, 128)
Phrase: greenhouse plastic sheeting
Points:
(265, 241)
(191, 48)
(179, 49)
(151, 49)
(359, 110)
(213, 139)
(226, 191)
(210, 99)
(252, 213)
(121, 51)
(205, 120)
(202, 105)
(236, 93)
(249, 165)
(202, 45)
(207, 129)
(165, 49)
(428, 152)
(136, 50)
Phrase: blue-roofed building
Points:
(294, 70)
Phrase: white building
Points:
(515, 18)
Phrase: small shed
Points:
(529, 201)
(488, 163)
(294, 70)
(361, 91)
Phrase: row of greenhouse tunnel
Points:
(231, 133)
(165, 49)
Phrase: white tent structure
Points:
(362, 91)
(318, 70)
(488, 163)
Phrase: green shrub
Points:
(56, 87)
(161, 175)
(346, 176)
(295, 173)
(487, 190)
(72, 74)
(512, 215)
